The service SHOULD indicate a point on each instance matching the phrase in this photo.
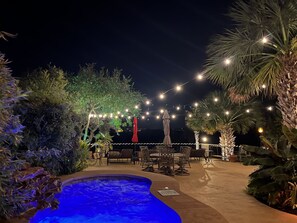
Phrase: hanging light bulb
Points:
(199, 77)
(204, 139)
(227, 61)
(161, 96)
(264, 40)
(178, 88)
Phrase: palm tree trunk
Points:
(287, 91)
(227, 142)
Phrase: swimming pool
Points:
(108, 199)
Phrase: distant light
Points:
(100, 116)
(129, 117)
(111, 115)
(227, 61)
(199, 77)
(204, 139)
(116, 117)
(158, 117)
(260, 130)
(177, 108)
(122, 116)
(227, 112)
(127, 110)
(263, 86)
(119, 112)
(264, 40)
(173, 116)
(207, 114)
(143, 117)
(161, 96)
(247, 111)
(104, 115)
(147, 113)
(136, 107)
(178, 88)
(270, 108)
(162, 111)
(147, 102)
(196, 104)
(190, 115)
(215, 99)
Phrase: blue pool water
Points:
(108, 199)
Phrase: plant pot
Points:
(233, 158)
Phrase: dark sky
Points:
(159, 43)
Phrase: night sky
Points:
(158, 43)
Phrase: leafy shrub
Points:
(274, 181)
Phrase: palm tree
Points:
(218, 113)
(259, 55)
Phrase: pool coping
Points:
(189, 209)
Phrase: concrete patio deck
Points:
(219, 188)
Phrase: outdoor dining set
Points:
(166, 159)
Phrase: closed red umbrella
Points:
(135, 130)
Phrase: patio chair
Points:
(147, 163)
(166, 161)
(183, 160)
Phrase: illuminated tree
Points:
(259, 55)
(218, 113)
(102, 98)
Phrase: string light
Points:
(143, 117)
(147, 102)
(147, 113)
(116, 117)
(199, 77)
(260, 130)
(196, 104)
(122, 116)
(127, 110)
(270, 108)
(161, 96)
(207, 114)
(178, 88)
(158, 117)
(227, 112)
(111, 115)
(190, 115)
(178, 108)
(263, 86)
(100, 116)
(247, 111)
(215, 99)
(136, 107)
(173, 116)
(118, 112)
(162, 111)
(264, 40)
(227, 61)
